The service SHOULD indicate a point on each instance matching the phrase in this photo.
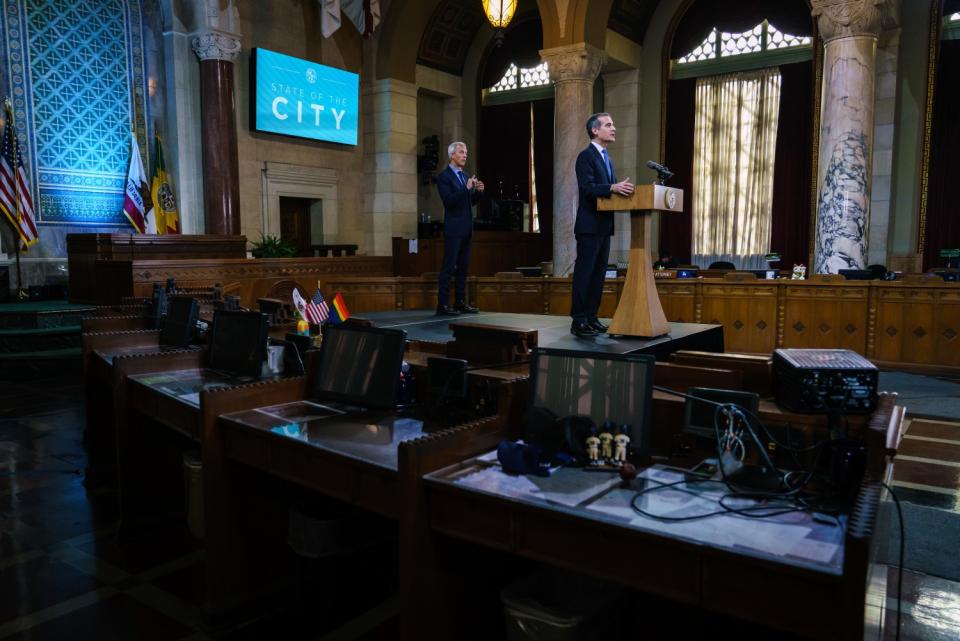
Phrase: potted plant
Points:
(272, 247)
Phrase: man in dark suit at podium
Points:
(459, 194)
(595, 179)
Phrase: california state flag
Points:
(136, 186)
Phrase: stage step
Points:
(42, 314)
(39, 339)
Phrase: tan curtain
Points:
(734, 145)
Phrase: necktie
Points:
(463, 180)
(606, 161)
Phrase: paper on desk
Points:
(412, 246)
(565, 486)
(794, 534)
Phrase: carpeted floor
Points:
(924, 396)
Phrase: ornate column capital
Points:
(216, 45)
(579, 62)
(847, 18)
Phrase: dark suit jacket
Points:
(593, 183)
(458, 202)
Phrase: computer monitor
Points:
(856, 274)
(359, 366)
(687, 273)
(605, 387)
(180, 322)
(700, 418)
(158, 306)
(446, 377)
(238, 342)
(766, 274)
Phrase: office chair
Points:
(721, 264)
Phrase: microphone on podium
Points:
(663, 172)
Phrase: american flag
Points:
(317, 310)
(15, 200)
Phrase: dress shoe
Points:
(597, 325)
(582, 329)
(463, 308)
(443, 310)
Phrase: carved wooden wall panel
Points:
(254, 278)
(825, 315)
(747, 311)
(680, 300)
(918, 324)
(378, 294)
(521, 295)
(892, 323)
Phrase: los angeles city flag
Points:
(136, 187)
(161, 193)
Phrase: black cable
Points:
(896, 502)
(765, 511)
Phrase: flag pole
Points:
(21, 294)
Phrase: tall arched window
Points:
(739, 134)
(77, 75)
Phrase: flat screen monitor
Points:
(446, 377)
(238, 342)
(359, 366)
(686, 273)
(180, 322)
(605, 387)
(700, 418)
(302, 98)
(856, 274)
(158, 306)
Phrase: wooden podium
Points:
(639, 312)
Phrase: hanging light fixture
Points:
(499, 13)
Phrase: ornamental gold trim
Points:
(933, 56)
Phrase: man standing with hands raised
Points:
(595, 179)
(459, 194)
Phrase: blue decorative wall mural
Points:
(76, 73)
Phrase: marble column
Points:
(221, 173)
(850, 29)
(573, 70)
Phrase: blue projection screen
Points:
(305, 99)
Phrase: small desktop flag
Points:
(340, 312)
(316, 309)
(299, 304)
(15, 200)
(133, 206)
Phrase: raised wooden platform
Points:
(913, 323)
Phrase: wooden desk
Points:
(103, 385)
(788, 572)
(368, 460)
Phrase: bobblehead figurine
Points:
(606, 441)
(621, 440)
(593, 446)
